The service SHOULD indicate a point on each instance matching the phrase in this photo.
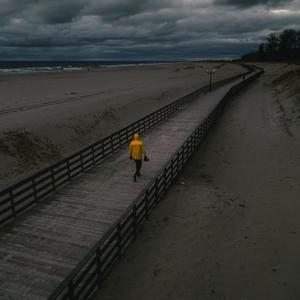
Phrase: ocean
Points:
(24, 67)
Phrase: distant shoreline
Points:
(29, 67)
(33, 67)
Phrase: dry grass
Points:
(289, 81)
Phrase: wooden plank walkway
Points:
(40, 248)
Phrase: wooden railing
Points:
(26, 193)
(94, 267)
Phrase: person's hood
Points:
(136, 136)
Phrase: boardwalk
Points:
(41, 247)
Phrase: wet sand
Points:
(45, 117)
(229, 227)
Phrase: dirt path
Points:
(230, 227)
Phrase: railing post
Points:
(182, 158)
(156, 190)
(134, 221)
(81, 162)
(187, 150)
(147, 204)
(191, 145)
(34, 189)
(68, 168)
(71, 290)
(119, 240)
(172, 169)
(111, 144)
(198, 135)
(165, 180)
(177, 163)
(119, 136)
(93, 154)
(53, 180)
(144, 124)
(127, 134)
(99, 266)
(12, 203)
(103, 150)
(194, 141)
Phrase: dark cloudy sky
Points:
(139, 29)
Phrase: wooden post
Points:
(165, 180)
(71, 290)
(103, 151)
(12, 203)
(119, 139)
(69, 171)
(119, 240)
(99, 267)
(147, 204)
(111, 144)
(134, 221)
(93, 154)
(34, 190)
(144, 125)
(156, 190)
(81, 162)
(52, 178)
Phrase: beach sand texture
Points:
(45, 117)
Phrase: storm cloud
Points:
(249, 3)
(134, 29)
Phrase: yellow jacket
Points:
(137, 148)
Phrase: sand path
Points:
(229, 228)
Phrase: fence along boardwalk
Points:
(41, 247)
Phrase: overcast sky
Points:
(139, 29)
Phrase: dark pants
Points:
(138, 165)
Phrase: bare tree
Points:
(261, 48)
(273, 43)
(282, 46)
(288, 40)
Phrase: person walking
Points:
(136, 151)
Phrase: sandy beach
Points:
(229, 227)
(45, 117)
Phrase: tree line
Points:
(282, 46)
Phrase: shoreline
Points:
(78, 66)
(61, 69)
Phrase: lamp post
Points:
(210, 72)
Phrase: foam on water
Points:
(29, 70)
(25, 67)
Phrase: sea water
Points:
(25, 67)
